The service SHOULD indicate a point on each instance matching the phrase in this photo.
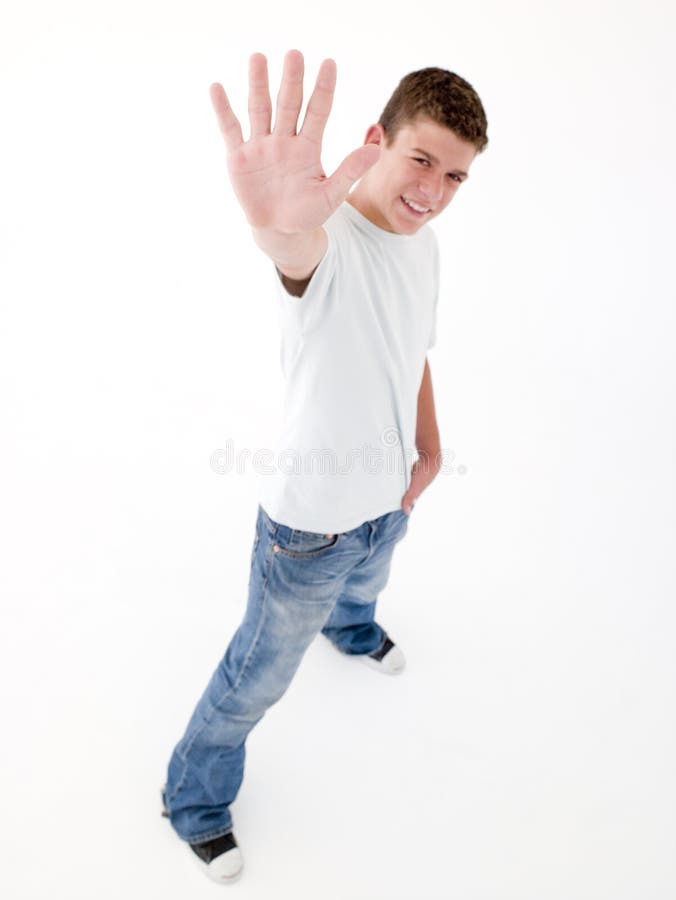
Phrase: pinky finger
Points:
(227, 120)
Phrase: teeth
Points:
(414, 206)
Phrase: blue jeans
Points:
(301, 583)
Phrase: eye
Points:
(455, 177)
(419, 159)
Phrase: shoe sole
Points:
(381, 667)
(211, 875)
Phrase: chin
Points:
(409, 227)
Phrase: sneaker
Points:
(220, 858)
(388, 659)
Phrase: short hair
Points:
(442, 96)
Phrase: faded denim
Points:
(300, 583)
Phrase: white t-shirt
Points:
(353, 351)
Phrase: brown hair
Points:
(442, 96)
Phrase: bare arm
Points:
(295, 255)
(277, 174)
(426, 467)
(427, 432)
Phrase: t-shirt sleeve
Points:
(435, 300)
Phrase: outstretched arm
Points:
(277, 174)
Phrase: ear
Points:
(375, 135)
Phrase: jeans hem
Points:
(207, 835)
(360, 652)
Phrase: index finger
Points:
(227, 120)
(319, 104)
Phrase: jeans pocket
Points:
(255, 547)
(401, 520)
(296, 544)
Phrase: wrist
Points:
(295, 255)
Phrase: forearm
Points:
(427, 466)
(295, 255)
(427, 439)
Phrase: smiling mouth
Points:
(415, 207)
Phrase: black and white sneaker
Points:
(220, 858)
(388, 659)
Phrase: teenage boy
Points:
(357, 279)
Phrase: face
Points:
(416, 176)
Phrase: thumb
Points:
(350, 170)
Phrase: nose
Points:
(430, 186)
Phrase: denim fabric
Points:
(300, 583)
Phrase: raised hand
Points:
(277, 174)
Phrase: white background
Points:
(527, 752)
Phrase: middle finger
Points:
(290, 95)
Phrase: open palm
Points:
(277, 174)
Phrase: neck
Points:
(360, 200)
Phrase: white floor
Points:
(526, 752)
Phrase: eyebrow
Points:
(436, 161)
